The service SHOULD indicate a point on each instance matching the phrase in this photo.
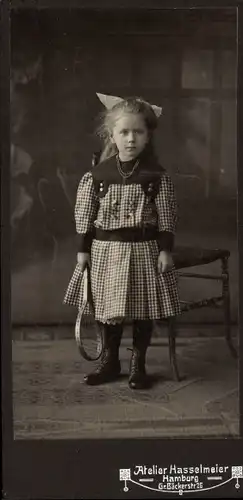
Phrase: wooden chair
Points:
(187, 257)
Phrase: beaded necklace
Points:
(123, 174)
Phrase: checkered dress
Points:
(125, 282)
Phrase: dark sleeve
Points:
(166, 241)
(84, 242)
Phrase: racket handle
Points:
(87, 294)
(86, 284)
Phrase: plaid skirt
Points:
(125, 283)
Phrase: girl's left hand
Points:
(165, 262)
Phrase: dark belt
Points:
(127, 234)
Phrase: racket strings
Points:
(89, 337)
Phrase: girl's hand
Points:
(165, 262)
(83, 260)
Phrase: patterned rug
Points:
(51, 399)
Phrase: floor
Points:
(52, 402)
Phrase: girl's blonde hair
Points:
(108, 118)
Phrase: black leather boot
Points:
(142, 332)
(109, 367)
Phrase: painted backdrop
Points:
(184, 62)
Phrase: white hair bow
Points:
(109, 101)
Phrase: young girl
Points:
(126, 219)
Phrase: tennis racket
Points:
(88, 333)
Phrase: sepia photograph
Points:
(124, 239)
